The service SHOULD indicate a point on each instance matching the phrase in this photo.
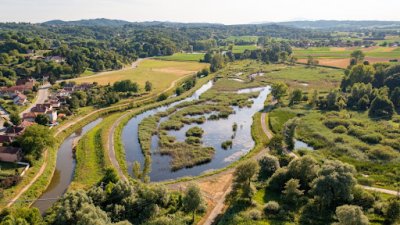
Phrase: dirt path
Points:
(111, 150)
(381, 190)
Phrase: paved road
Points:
(42, 95)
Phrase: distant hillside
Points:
(336, 24)
(90, 22)
(115, 23)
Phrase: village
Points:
(42, 110)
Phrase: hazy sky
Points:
(220, 11)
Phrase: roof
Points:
(5, 139)
(26, 124)
(15, 130)
(29, 115)
(19, 88)
(10, 150)
(21, 96)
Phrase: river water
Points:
(215, 132)
(64, 172)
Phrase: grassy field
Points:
(242, 38)
(195, 57)
(278, 117)
(160, 73)
(339, 57)
(237, 75)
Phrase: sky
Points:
(214, 11)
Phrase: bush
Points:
(362, 198)
(227, 144)
(195, 132)
(340, 129)
(382, 153)
(271, 207)
(339, 140)
(278, 180)
(373, 138)
(332, 123)
(356, 132)
(193, 140)
(254, 214)
(162, 97)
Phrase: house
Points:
(57, 59)
(26, 123)
(10, 154)
(30, 117)
(20, 99)
(11, 92)
(26, 81)
(15, 131)
(52, 114)
(84, 87)
(5, 139)
(42, 108)
(55, 103)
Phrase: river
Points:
(64, 172)
(215, 132)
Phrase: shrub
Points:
(271, 207)
(278, 180)
(382, 153)
(373, 138)
(362, 198)
(339, 140)
(332, 123)
(340, 129)
(227, 144)
(357, 132)
(193, 140)
(268, 165)
(195, 132)
(254, 214)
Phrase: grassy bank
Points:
(91, 155)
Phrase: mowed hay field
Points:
(340, 57)
(160, 73)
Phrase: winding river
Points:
(64, 172)
(215, 132)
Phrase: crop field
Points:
(160, 73)
(340, 57)
(194, 57)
